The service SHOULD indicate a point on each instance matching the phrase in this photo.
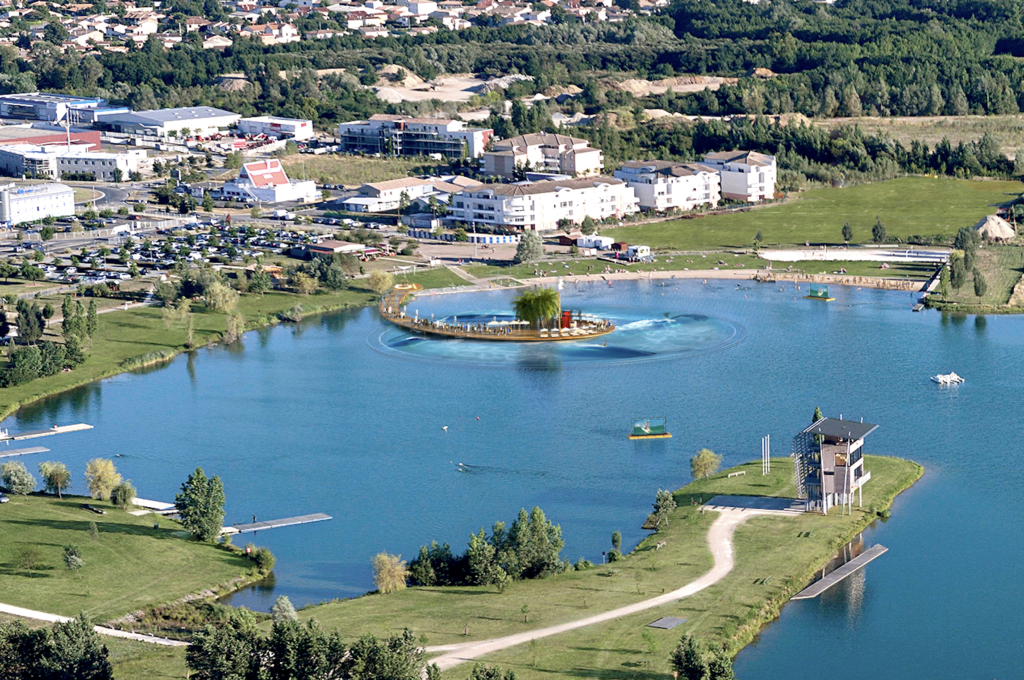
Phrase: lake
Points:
(344, 415)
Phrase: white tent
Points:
(995, 228)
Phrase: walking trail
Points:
(719, 540)
(112, 632)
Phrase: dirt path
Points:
(112, 632)
(719, 541)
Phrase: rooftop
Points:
(738, 156)
(674, 168)
(544, 187)
(184, 113)
(841, 429)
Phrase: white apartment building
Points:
(35, 202)
(266, 182)
(746, 175)
(539, 206)
(544, 152)
(281, 128)
(105, 166)
(383, 196)
(51, 162)
(669, 185)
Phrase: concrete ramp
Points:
(784, 505)
(858, 562)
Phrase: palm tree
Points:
(537, 306)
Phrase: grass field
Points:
(594, 266)
(130, 565)
(1002, 267)
(785, 551)
(931, 130)
(906, 206)
(352, 170)
(861, 268)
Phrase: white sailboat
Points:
(947, 379)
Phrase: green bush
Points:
(264, 559)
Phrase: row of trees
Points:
(48, 358)
(101, 477)
(529, 548)
(65, 651)
(300, 651)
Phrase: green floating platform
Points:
(649, 428)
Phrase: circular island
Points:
(539, 317)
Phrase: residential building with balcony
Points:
(544, 152)
(395, 135)
(746, 175)
(669, 185)
(539, 206)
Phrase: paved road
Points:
(719, 541)
(56, 618)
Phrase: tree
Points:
(46, 233)
(92, 321)
(980, 285)
(397, 658)
(958, 271)
(73, 558)
(878, 234)
(390, 573)
(207, 201)
(380, 281)
(200, 505)
(817, 415)
(482, 672)
(589, 226)
(847, 232)
(705, 464)
(664, 504)
(102, 477)
(56, 477)
(282, 610)
(537, 306)
(123, 495)
(259, 281)
(617, 541)
(944, 283)
(530, 248)
(69, 650)
(17, 479)
(30, 322)
(692, 660)
(304, 283)
(220, 297)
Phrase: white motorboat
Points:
(947, 379)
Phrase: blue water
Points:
(327, 417)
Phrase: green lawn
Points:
(1002, 267)
(907, 206)
(130, 565)
(595, 266)
(775, 558)
(774, 547)
(142, 661)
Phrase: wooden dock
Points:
(858, 562)
(275, 523)
(23, 452)
(5, 436)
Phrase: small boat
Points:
(947, 379)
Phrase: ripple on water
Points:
(641, 334)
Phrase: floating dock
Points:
(498, 331)
(858, 562)
(649, 428)
(158, 507)
(5, 436)
(24, 452)
(275, 523)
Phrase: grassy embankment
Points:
(1002, 267)
(670, 263)
(353, 170)
(126, 339)
(931, 130)
(907, 206)
(776, 556)
(130, 564)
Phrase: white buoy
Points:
(444, 427)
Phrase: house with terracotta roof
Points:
(544, 152)
(265, 181)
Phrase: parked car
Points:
(3, 498)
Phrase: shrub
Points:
(264, 559)
(123, 495)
